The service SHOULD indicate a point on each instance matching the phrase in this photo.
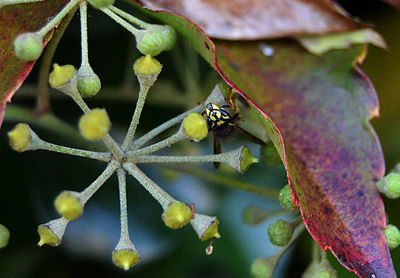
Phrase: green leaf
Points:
(14, 20)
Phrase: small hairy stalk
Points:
(123, 203)
(102, 156)
(107, 173)
(157, 192)
(53, 22)
(222, 157)
(120, 21)
(129, 17)
(84, 35)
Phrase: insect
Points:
(220, 122)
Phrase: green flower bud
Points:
(177, 215)
(95, 125)
(155, 39)
(28, 46)
(88, 82)
(285, 198)
(280, 233)
(205, 226)
(69, 205)
(125, 254)
(61, 75)
(392, 235)
(99, 4)
(325, 273)
(390, 185)
(195, 127)
(19, 137)
(269, 156)
(4, 236)
(52, 232)
(264, 267)
(246, 159)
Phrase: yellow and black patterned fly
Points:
(220, 122)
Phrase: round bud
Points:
(325, 273)
(69, 205)
(99, 4)
(95, 124)
(147, 65)
(19, 137)
(4, 236)
(246, 159)
(88, 82)
(211, 231)
(125, 258)
(177, 215)
(195, 126)
(61, 75)
(28, 46)
(269, 156)
(390, 185)
(155, 39)
(285, 198)
(392, 235)
(280, 233)
(263, 267)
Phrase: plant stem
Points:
(122, 22)
(222, 157)
(91, 189)
(297, 232)
(136, 116)
(315, 252)
(129, 17)
(53, 22)
(179, 136)
(84, 35)
(228, 181)
(168, 124)
(108, 140)
(43, 103)
(123, 203)
(157, 192)
(102, 156)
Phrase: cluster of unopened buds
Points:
(122, 158)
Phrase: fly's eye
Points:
(209, 107)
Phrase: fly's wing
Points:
(217, 149)
(249, 136)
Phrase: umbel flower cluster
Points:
(124, 158)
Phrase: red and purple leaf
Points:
(14, 20)
(316, 111)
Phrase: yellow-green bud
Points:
(88, 82)
(280, 233)
(69, 205)
(205, 226)
(4, 236)
(195, 126)
(19, 137)
(99, 4)
(61, 75)
(95, 124)
(264, 267)
(177, 215)
(325, 273)
(285, 198)
(52, 232)
(392, 235)
(390, 185)
(155, 39)
(147, 65)
(125, 258)
(28, 46)
(246, 159)
(269, 156)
